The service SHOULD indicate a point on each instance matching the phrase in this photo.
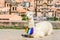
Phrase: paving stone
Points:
(13, 34)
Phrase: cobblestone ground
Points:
(13, 34)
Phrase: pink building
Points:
(43, 8)
(47, 8)
(11, 10)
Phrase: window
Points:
(49, 1)
(38, 9)
(39, 1)
(7, 4)
(57, 5)
(14, 8)
(44, 14)
(52, 14)
(26, 4)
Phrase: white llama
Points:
(30, 19)
(41, 29)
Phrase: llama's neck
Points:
(31, 23)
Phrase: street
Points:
(15, 34)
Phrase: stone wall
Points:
(21, 24)
(56, 24)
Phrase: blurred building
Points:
(11, 11)
(42, 8)
(47, 8)
(16, 6)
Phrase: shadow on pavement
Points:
(27, 36)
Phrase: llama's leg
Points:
(50, 31)
(41, 34)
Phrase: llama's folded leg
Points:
(42, 35)
(39, 35)
(50, 31)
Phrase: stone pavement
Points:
(13, 34)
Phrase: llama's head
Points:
(29, 15)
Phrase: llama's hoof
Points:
(28, 36)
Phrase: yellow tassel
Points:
(26, 29)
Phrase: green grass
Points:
(11, 27)
(52, 18)
(24, 18)
(56, 28)
(16, 27)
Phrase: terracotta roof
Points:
(20, 9)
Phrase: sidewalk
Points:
(13, 34)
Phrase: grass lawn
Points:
(56, 28)
(15, 27)
(11, 27)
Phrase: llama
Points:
(41, 29)
(30, 19)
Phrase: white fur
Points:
(41, 29)
(31, 21)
